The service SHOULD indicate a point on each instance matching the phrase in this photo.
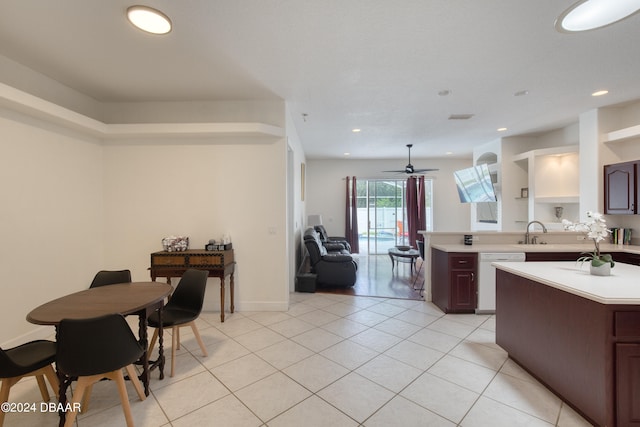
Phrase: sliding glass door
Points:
(382, 214)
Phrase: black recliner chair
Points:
(331, 268)
(332, 243)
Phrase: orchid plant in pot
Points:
(596, 229)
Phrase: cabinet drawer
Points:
(462, 261)
(168, 260)
(627, 323)
(219, 259)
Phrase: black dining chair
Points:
(97, 348)
(110, 277)
(183, 308)
(420, 244)
(34, 358)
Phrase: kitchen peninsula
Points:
(578, 334)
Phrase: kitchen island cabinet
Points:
(576, 333)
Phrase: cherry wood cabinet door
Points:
(620, 188)
(628, 384)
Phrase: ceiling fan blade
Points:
(409, 169)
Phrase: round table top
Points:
(123, 298)
(411, 253)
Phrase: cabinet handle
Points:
(462, 262)
(473, 277)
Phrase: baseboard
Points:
(262, 306)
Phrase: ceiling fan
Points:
(409, 169)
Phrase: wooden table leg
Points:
(64, 382)
(222, 298)
(232, 307)
(160, 344)
(142, 333)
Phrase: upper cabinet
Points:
(621, 185)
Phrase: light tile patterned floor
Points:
(333, 360)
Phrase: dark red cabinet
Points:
(454, 281)
(621, 184)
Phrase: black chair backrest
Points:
(420, 244)
(324, 236)
(189, 294)
(7, 367)
(97, 345)
(314, 246)
(106, 277)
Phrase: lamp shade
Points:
(314, 220)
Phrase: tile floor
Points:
(333, 360)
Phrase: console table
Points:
(219, 264)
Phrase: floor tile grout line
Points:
(378, 353)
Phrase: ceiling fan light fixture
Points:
(149, 20)
(588, 15)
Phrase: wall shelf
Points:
(558, 199)
(623, 134)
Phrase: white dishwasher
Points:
(487, 278)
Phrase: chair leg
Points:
(174, 343)
(43, 388)
(133, 376)
(78, 394)
(7, 383)
(417, 276)
(153, 341)
(53, 378)
(86, 398)
(118, 377)
(194, 328)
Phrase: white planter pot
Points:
(601, 270)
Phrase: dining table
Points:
(135, 298)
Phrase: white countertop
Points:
(622, 287)
(551, 247)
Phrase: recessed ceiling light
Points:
(588, 15)
(347, 154)
(600, 93)
(501, 129)
(356, 130)
(460, 116)
(448, 153)
(148, 19)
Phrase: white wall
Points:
(202, 191)
(298, 209)
(326, 189)
(73, 204)
(51, 217)
(602, 121)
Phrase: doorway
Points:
(382, 214)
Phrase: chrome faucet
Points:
(526, 235)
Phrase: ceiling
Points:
(376, 65)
